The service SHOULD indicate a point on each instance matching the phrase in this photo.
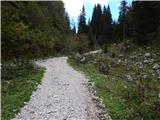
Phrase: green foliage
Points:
(105, 48)
(79, 44)
(82, 28)
(125, 99)
(32, 29)
(96, 20)
(102, 65)
(11, 70)
(109, 90)
(145, 19)
(106, 26)
(19, 79)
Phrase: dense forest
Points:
(34, 29)
(126, 71)
(43, 28)
(139, 21)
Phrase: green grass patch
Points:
(121, 98)
(108, 89)
(18, 90)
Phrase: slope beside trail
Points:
(63, 95)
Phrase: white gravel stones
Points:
(63, 95)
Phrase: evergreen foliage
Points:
(82, 21)
(32, 29)
(146, 19)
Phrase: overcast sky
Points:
(73, 7)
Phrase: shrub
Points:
(15, 68)
(105, 48)
(102, 65)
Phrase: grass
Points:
(108, 89)
(18, 90)
(114, 91)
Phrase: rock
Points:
(141, 67)
(129, 78)
(146, 61)
(121, 55)
(119, 61)
(145, 77)
(14, 110)
(125, 61)
(110, 54)
(95, 98)
(153, 74)
(147, 54)
(83, 60)
(148, 48)
(156, 66)
(78, 56)
(158, 72)
(25, 103)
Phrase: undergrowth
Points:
(19, 79)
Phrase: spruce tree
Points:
(74, 29)
(93, 20)
(121, 19)
(146, 19)
(82, 21)
(106, 26)
(96, 20)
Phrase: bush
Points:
(15, 68)
(80, 44)
(102, 65)
(105, 48)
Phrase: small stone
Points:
(147, 54)
(145, 77)
(146, 61)
(153, 74)
(148, 48)
(95, 98)
(129, 78)
(121, 55)
(119, 61)
(83, 60)
(155, 67)
(141, 67)
(14, 110)
(158, 72)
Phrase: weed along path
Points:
(63, 95)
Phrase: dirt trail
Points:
(63, 95)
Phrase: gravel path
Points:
(63, 95)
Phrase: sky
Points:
(73, 7)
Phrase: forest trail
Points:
(63, 95)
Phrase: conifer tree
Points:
(121, 19)
(96, 20)
(82, 21)
(74, 29)
(146, 19)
